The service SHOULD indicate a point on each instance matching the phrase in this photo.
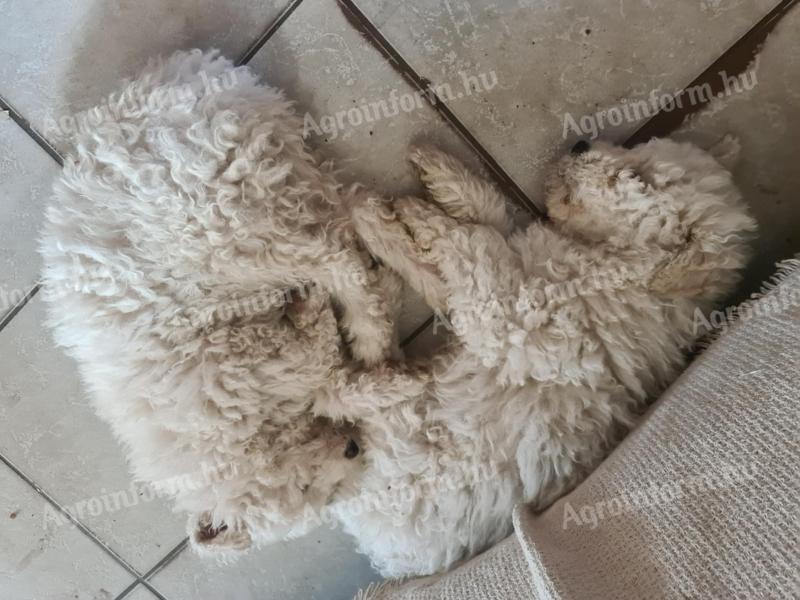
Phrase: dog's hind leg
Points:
(390, 240)
(462, 194)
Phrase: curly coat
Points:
(171, 219)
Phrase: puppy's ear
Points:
(681, 274)
(727, 151)
(696, 271)
(218, 539)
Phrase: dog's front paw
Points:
(371, 337)
(371, 351)
(427, 159)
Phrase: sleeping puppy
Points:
(563, 331)
(202, 269)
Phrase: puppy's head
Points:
(285, 462)
(670, 200)
(288, 479)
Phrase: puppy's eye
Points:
(352, 449)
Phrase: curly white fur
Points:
(564, 330)
(177, 230)
(164, 215)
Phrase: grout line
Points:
(128, 590)
(83, 528)
(153, 591)
(6, 319)
(736, 58)
(264, 37)
(416, 333)
(372, 34)
(165, 560)
(26, 126)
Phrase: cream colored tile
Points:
(322, 565)
(26, 173)
(42, 560)
(765, 116)
(328, 69)
(48, 429)
(542, 60)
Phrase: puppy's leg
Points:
(468, 270)
(356, 394)
(390, 288)
(433, 252)
(388, 238)
(463, 195)
(482, 275)
(367, 316)
(464, 255)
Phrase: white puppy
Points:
(186, 218)
(564, 330)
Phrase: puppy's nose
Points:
(580, 147)
(352, 449)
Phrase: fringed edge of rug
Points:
(783, 270)
(375, 588)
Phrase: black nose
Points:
(579, 148)
(352, 449)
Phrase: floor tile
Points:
(325, 65)
(430, 340)
(322, 565)
(26, 173)
(42, 560)
(141, 593)
(48, 429)
(62, 56)
(542, 61)
(766, 119)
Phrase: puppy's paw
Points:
(371, 350)
(217, 539)
(371, 337)
(420, 155)
(305, 306)
(431, 163)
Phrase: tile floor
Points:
(515, 70)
